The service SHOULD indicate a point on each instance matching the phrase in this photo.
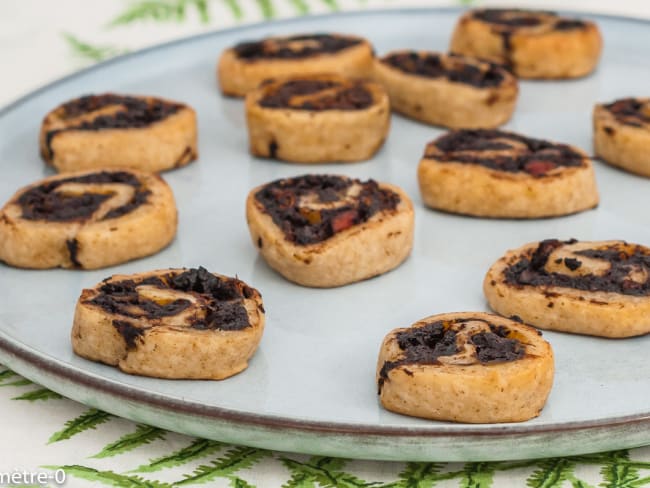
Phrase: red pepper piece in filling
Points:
(344, 220)
(539, 167)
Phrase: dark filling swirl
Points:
(530, 270)
(302, 225)
(133, 113)
(222, 298)
(295, 47)
(453, 68)
(318, 95)
(45, 202)
(503, 151)
(425, 344)
(518, 18)
(630, 111)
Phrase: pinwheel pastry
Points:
(243, 67)
(175, 323)
(465, 367)
(87, 220)
(449, 90)
(109, 130)
(599, 288)
(533, 44)
(326, 230)
(622, 134)
(491, 173)
(317, 119)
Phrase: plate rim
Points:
(28, 358)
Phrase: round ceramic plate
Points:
(310, 387)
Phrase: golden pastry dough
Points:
(531, 43)
(448, 90)
(317, 119)
(491, 173)
(465, 367)
(599, 288)
(119, 131)
(88, 220)
(176, 323)
(243, 67)
(326, 230)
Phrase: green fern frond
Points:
(551, 473)
(40, 394)
(478, 475)
(236, 10)
(641, 483)
(325, 471)
(20, 382)
(197, 449)
(266, 6)
(576, 483)
(299, 480)
(144, 434)
(89, 51)
(301, 6)
(236, 482)
(152, 10)
(90, 419)
(332, 4)
(6, 373)
(202, 9)
(617, 472)
(109, 478)
(419, 475)
(234, 460)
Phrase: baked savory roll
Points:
(87, 220)
(243, 67)
(176, 323)
(465, 367)
(109, 130)
(491, 173)
(317, 119)
(622, 134)
(531, 43)
(449, 90)
(599, 288)
(326, 230)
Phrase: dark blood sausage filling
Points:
(304, 226)
(424, 345)
(295, 47)
(223, 299)
(630, 111)
(134, 113)
(456, 69)
(531, 270)
(337, 96)
(45, 202)
(521, 154)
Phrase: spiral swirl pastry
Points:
(109, 131)
(87, 220)
(317, 119)
(465, 367)
(599, 288)
(491, 173)
(327, 230)
(244, 66)
(448, 90)
(622, 134)
(176, 323)
(533, 44)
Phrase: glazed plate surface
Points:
(310, 387)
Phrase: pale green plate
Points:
(310, 387)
